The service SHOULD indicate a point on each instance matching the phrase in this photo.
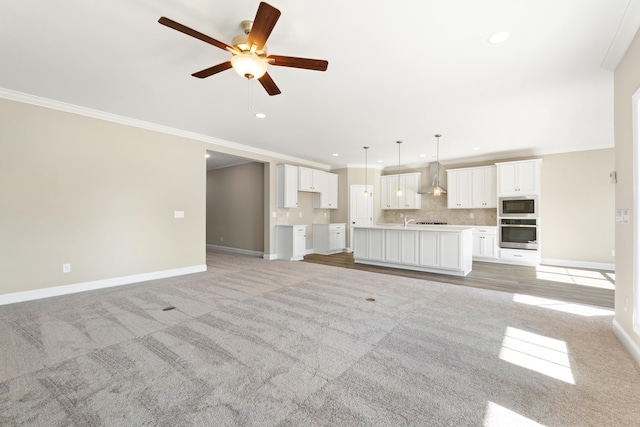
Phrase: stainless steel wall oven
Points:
(519, 233)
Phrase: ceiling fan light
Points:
(248, 66)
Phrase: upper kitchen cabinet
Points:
(519, 178)
(309, 180)
(388, 188)
(287, 186)
(470, 188)
(409, 183)
(460, 187)
(328, 197)
(484, 187)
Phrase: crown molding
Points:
(102, 115)
(629, 25)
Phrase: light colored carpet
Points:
(252, 342)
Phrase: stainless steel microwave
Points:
(518, 207)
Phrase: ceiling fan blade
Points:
(268, 84)
(193, 33)
(306, 63)
(212, 70)
(263, 24)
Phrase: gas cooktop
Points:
(431, 223)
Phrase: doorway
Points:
(360, 208)
(235, 211)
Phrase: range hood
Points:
(433, 179)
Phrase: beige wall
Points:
(626, 83)
(98, 195)
(235, 207)
(578, 206)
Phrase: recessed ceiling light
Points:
(379, 161)
(476, 148)
(335, 154)
(207, 155)
(499, 37)
(423, 155)
(261, 115)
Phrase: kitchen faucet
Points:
(407, 221)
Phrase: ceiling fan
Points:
(249, 50)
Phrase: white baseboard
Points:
(270, 257)
(579, 264)
(97, 284)
(627, 341)
(235, 250)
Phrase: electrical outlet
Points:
(613, 252)
(287, 214)
(221, 239)
(66, 268)
(300, 214)
(472, 215)
(178, 214)
(273, 214)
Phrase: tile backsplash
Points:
(434, 209)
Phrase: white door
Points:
(360, 209)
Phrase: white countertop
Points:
(426, 227)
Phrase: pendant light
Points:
(399, 192)
(366, 173)
(437, 189)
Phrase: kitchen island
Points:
(445, 249)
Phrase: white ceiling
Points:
(401, 70)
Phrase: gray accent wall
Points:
(235, 207)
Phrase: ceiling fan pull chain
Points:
(249, 96)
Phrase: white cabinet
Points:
(484, 187)
(409, 183)
(519, 178)
(441, 249)
(388, 190)
(519, 256)
(429, 244)
(329, 238)
(291, 242)
(446, 252)
(309, 180)
(402, 246)
(459, 188)
(287, 186)
(451, 251)
(485, 243)
(369, 244)
(327, 198)
(292, 179)
(470, 188)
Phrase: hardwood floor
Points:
(583, 286)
